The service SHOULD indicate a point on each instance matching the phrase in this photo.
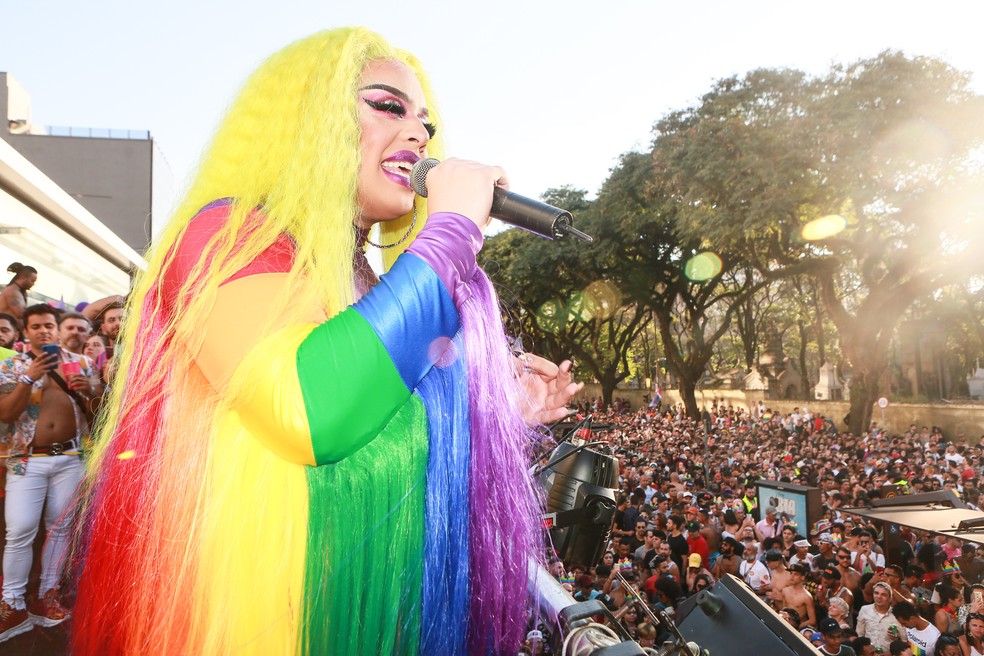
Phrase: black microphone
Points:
(532, 215)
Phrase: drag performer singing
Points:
(299, 458)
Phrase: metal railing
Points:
(96, 133)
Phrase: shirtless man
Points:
(13, 299)
(43, 419)
(730, 558)
(850, 577)
(779, 575)
(797, 597)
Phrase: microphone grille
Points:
(418, 175)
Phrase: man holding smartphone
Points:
(47, 396)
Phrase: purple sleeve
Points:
(448, 244)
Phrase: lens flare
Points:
(605, 298)
(552, 317)
(442, 352)
(824, 227)
(703, 266)
(581, 307)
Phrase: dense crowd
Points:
(687, 507)
(688, 514)
(54, 366)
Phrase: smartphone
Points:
(978, 596)
(52, 349)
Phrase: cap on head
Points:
(830, 627)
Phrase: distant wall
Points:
(953, 418)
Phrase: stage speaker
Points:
(580, 489)
(729, 619)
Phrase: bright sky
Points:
(553, 91)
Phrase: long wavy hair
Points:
(289, 144)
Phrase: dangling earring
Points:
(413, 222)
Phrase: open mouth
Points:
(399, 168)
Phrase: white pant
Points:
(55, 479)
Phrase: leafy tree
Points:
(692, 294)
(885, 147)
(559, 300)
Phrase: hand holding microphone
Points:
(460, 186)
(475, 191)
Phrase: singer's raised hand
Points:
(464, 187)
(548, 387)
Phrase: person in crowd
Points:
(801, 553)
(730, 559)
(900, 648)
(73, 330)
(892, 575)
(96, 347)
(679, 548)
(951, 600)
(863, 647)
(969, 563)
(975, 605)
(972, 640)
(779, 575)
(9, 331)
(797, 597)
(397, 396)
(696, 571)
(754, 573)
(838, 609)
(696, 543)
(110, 321)
(792, 617)
(13, 298)
(948, 645)
(46, 413)
(863, 559)
(921, 633)
(826, 555)
(769, 526)
(850, 577)
(875, 619)
(831, 587)
(833, 639)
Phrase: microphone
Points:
(531, 215)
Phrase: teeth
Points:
(398, 167)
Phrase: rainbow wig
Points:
(329, 500)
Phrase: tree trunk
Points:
(807, 382)
(607, 392)
(864, 393)
(688, 388)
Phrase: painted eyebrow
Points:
(396, 92)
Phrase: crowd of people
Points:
(688, 513)
(54, 368)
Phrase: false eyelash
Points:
(388, 106)
(395, 108)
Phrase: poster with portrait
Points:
(794, 504)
